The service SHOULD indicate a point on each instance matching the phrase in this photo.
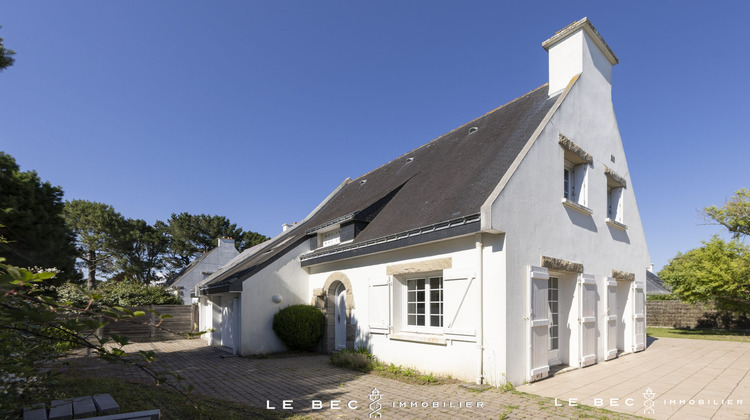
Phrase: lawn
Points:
(173, 405)
(699, 334)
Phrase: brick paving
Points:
(305, 379)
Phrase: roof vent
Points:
(362, 182)
(473, 130)
(409, 160)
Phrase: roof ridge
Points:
(455, 129)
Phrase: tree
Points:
(141, 251)
(31, 215)
(191, 235)
(99, 231)
(735, 215)
(6, 59)
(717, 272)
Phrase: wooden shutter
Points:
(639, 317)
(379, 304)
(610, 318)
(459, 303)
(538, 317)
(579, 180)
(587, 319)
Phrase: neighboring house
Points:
(504, 247)
(183, 283)
(655, 285)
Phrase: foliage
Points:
(407, 374)
(140, 251)
(699, 334)
(300, 327)
(717, 272)
(118, 293)
(735, 215)
(191, 235)
(6, 59)
(666, 296)
(359, 360)
(98, 229)
(35, 327)
(32, 222)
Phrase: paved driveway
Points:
(310, 382)
(688, 379)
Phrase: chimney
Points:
(287, 226)
(651, 268)
(578, 49)
(226, 242)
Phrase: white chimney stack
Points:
(578, 49)
(226, 242)
(287, 226)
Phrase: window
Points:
(329, 238)
(614, 203)
(615, 197)
(424, 302)
(575, 183)
(554, 312)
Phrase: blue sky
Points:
(257, 110)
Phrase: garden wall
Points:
(677, 314)
(143, 328)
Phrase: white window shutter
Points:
(537, 284)
(459, 302)
(587, 319)
(610, 318)
(639, 318)
(580, 185)
(379, 304)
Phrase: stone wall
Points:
(677, 314)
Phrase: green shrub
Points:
(118, 293)
(662, 297)
(300, 327)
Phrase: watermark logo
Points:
(648, 404)
(375, 406)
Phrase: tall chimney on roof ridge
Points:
(578, 49)
(226, 241)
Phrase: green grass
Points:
(173, 405)
(699, 334)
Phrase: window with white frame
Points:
(615, 197)
(424, 302)
(614, 204)
(575, 183)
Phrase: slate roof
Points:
(655, 285)
(442, 183)
(178, 276)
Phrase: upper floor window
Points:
(332, 237)
(575, 183)
(615, 198)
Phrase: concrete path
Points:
(688, 379)
(314, 388)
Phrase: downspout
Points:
(480, 332)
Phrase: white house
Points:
(183, 283)
(504, 247)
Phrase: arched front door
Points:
(340, 317)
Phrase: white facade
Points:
(543, 280)
(206, 265)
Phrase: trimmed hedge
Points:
(300, 327)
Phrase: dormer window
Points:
(332, 237)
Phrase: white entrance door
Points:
(340, 317)
(610, 318)
(538, 318)
(587, 319)
(554, 321)
(227, 324)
